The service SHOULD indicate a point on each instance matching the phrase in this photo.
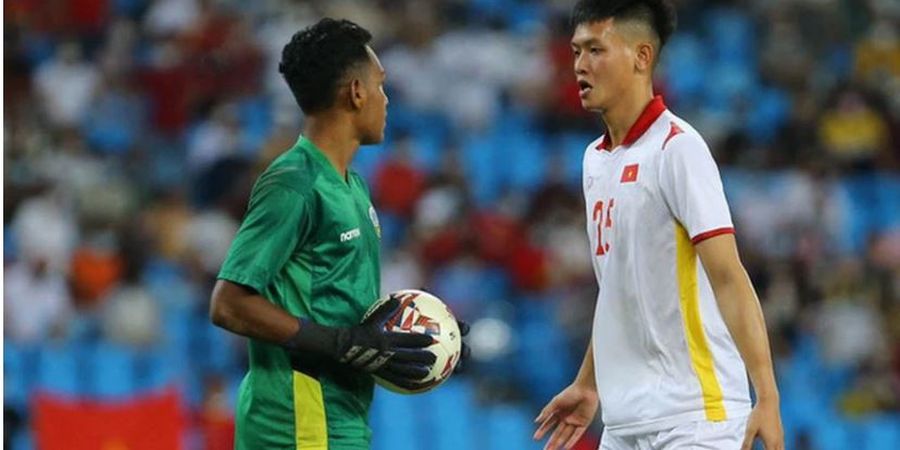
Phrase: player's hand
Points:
(765, 423)
(465, 351)
(570, 413)
(399, 358)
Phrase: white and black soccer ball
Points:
(421, 312)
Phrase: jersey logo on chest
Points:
(350, 235)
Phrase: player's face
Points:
(374, 114)
(604, 64)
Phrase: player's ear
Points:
(644, 57)
(357, 93)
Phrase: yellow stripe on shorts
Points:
(311, 431)
(701, 356)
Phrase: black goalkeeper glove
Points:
(399, 358)
(465, 351)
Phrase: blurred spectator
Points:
(874, 390)
(171, 17)
(208, 238)
(65, 85)
(216, 421)
(45, 231)
(96, 269)
(167, 219)
(878, 54)
(401, 270)
(853, 132)
(131, 316)
(398, 183)
(168, 84)
(214, 139)
(848, 323)
(115, 119)
(36, 302)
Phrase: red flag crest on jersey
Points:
(629, 174)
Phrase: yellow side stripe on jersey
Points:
(310, 430)
(701, 356)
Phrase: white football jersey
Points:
(662, 353)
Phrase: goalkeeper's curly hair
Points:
(318, 57)
(660, 15)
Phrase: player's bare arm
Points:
(397, 356)
(243, 311)
(571, 412)
(742, 314)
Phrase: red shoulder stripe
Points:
(674, 131)
(710, 234)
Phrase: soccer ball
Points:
(421, 312)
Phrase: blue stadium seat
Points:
(15, 378)
(255, 115)
(684, 50)
(367, 159)
(859, 194)
(394, 420)
(735, 37)
(112, 371)
(451, 413)
(570, 147)
(881, 432)
(494, 285)
(732, 83)
(771, 105)
(887, 213)
(154, 372)
(540, 341)
(525, 159)
(429, 139)
(23, 441)
(509, 427)
(221, 346)
(524, 17)
(491, 7)
(168, 284)
(831, 433)
(59, 371)
(393, 229)
(480, 166)
(458, 285)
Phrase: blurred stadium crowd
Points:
(134, 130)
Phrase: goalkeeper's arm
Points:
(398, 357)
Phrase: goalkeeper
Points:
(304, 267)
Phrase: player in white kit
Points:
(677, 324)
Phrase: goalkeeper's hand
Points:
(399, 358)
(465, 352)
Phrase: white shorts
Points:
(701, 435)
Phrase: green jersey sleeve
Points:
(277, 221)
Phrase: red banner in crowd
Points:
(149, 422)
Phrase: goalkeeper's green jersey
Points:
(309, 243)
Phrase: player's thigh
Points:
(702, 435)
(610, 442)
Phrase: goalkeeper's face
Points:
(373, 109)
(607, 64)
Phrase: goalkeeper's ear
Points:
(357, 92)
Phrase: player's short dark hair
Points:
(318, 57)
(658, 14)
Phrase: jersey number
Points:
(603, 219)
